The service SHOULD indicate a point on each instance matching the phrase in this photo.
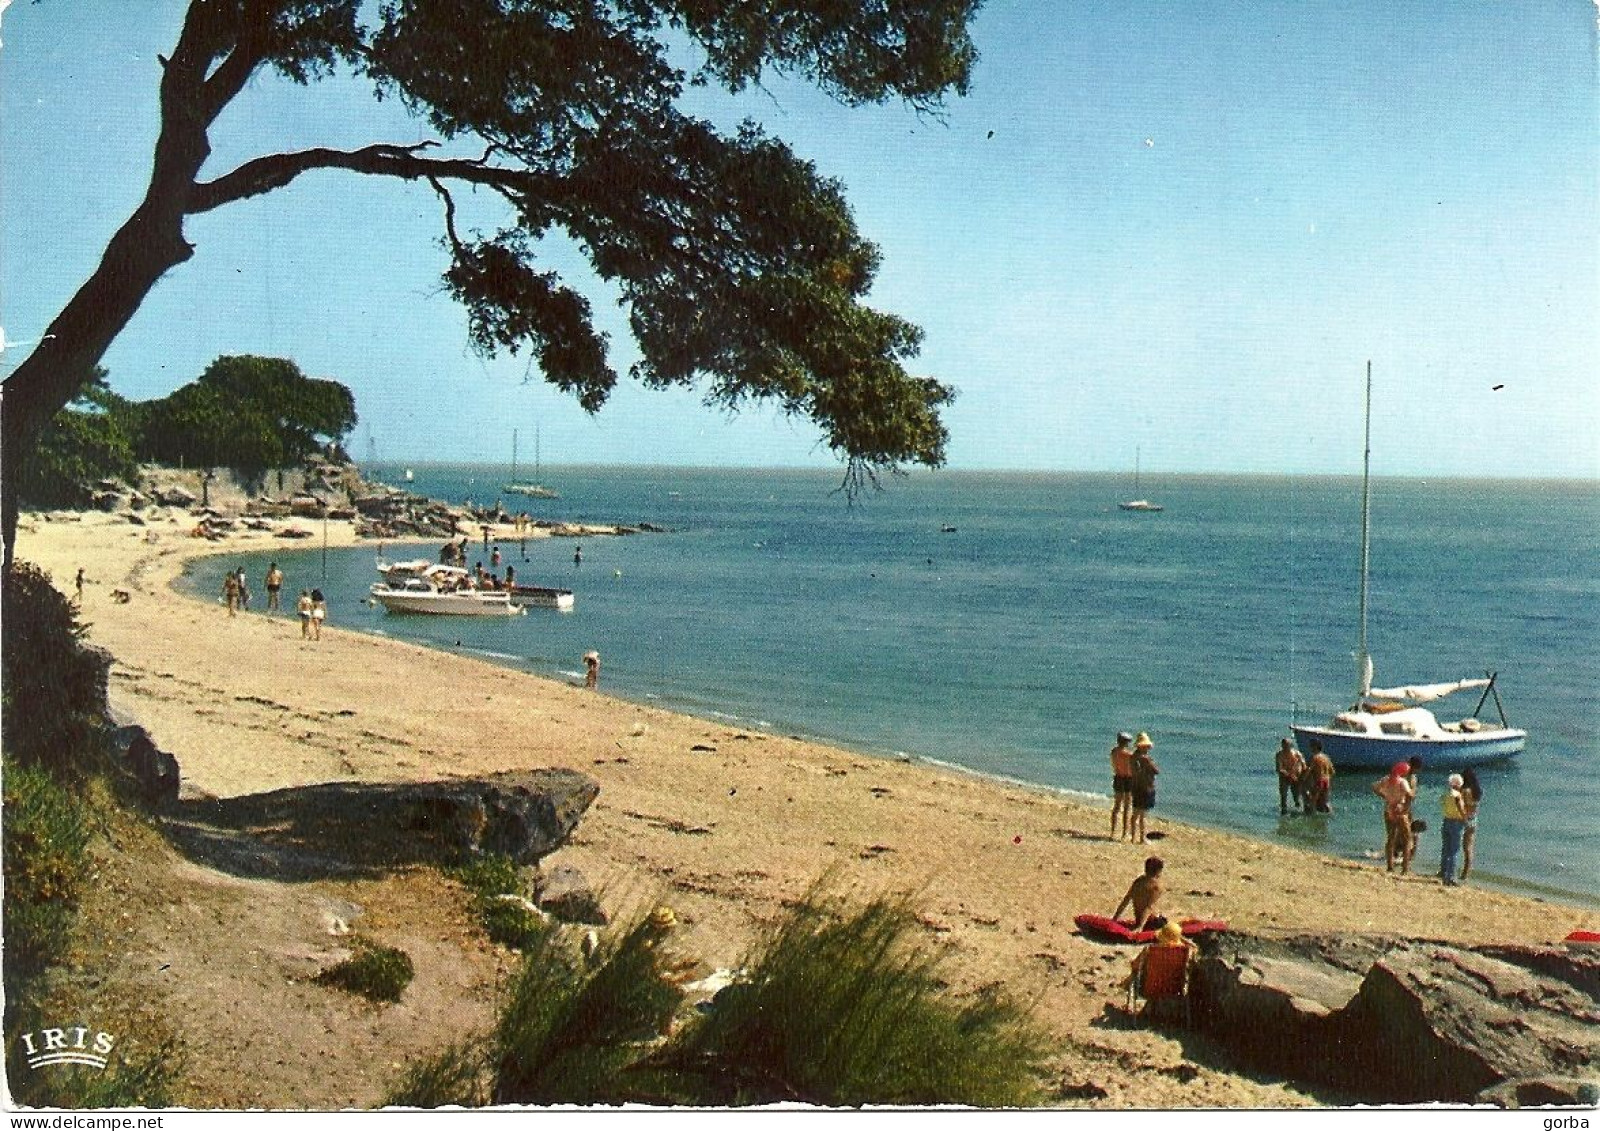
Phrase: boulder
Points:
(567, 895)
(522, 814)
(174, 496)
(153, 770)
(1405, 1021)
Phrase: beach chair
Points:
(1162, 981)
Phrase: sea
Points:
(1012, 623)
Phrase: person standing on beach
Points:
(1144, 893)
(1144, 785)
(1414, 827)
(304, 608)
(274, 584)
(1122, 784)
(591, 670)
(1316, 787)
(1454, 810)
(244, 591)
(1396, 793)
(1291, 768)
(78, 585)
(1471, 797)
(319, 613)
(230, 593)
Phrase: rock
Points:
(174, 496)
(152, 769)
(522, 814)
(1543, 1092)
(306, 506)
(1402, 1021)
(566, 894)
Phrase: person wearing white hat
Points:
(1144, 784)
(1455, 824)
(591, 674)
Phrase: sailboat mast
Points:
(1363, 659)
(513, 455)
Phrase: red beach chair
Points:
(1162, 979)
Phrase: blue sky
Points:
(1181, 228)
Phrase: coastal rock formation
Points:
(566, 894)
(1405, 1021)
(522, 814)
(153, 770)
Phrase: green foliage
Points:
(90, 440)
(52, 689)
(250, 414)
(46, 839)
(841, 1009)
(507, 921)
(456, 1077)
(570, 1029)
(374, 971)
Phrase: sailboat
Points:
(1136, 503)
(534, 490)
(1388, 725)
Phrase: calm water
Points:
(1019, 644)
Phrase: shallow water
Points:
(1018, 644)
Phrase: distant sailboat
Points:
(534, 490)
(1136, 503)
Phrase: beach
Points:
(726, 825)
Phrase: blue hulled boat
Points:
(1387, 725)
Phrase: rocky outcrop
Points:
(1404, 1021)
(154, 771)
(522, 814)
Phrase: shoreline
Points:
(728, 823)
(665, 700)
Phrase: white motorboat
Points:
(542, 597)
(1386, 725)
(441, 590)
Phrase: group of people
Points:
(1133, 785)
(1458, 807)
(1309, 785)
(313, 606)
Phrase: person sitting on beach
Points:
(1316, 788)
(1291, 767)
(1144, 893)
(1396, 793)
(1144, 785)
(304, 607)
(1122, 783)
(1169, 935)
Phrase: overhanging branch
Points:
(264, 174)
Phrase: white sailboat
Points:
(1388, 725)
(1136, 503)
(534, 490)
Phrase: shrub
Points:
(841, 1009)
(374, 971)
(569, 1030)
(52, 688)
(488, 878)
(46, 838)
(454, 1078)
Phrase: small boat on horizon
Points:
(1136, 503)
(534, 490)
(1388, 725)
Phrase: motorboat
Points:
(1389, 725)
(542, 597)
(440, 590)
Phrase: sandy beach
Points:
(725, 825)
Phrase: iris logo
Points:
(67, 1046)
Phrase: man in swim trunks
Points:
(1396, 793)
(1317, 787)
(1144, 893)
(1122, 783)
(1290, 768)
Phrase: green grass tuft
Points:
(842, 1009)
(374, 971)
(457, 1077)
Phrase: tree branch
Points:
(264, 174)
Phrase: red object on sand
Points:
(1583, 938)
(1106, 927)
